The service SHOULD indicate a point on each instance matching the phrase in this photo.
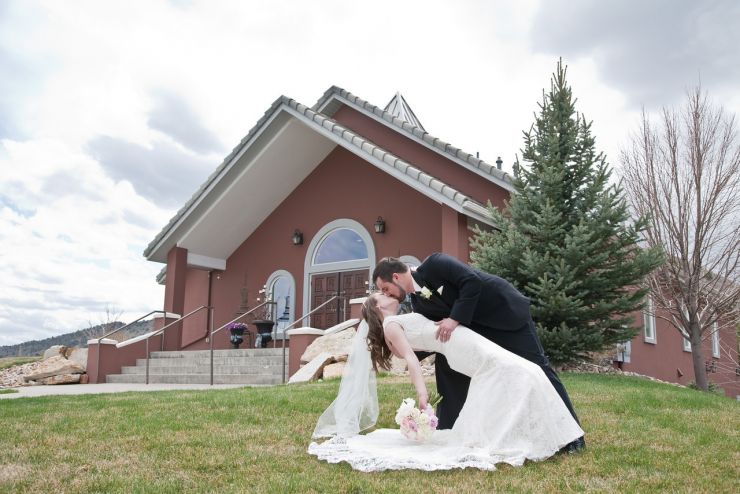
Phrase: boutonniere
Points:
(426, 293)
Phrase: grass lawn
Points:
(642, 437)
(6, 362)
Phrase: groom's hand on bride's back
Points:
(445, 327)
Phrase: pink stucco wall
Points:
(343, 186)
(666, 360)
(433, 163)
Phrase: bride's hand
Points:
(423, 399)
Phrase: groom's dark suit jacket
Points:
(475, 299)
(487, 304)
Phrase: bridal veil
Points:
(355, 408)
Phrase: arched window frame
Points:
(410, 260)
(270, 282)
(310, 269)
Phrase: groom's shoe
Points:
(574, 447)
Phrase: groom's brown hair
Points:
(387, 266)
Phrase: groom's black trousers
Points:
(453, 386)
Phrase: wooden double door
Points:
(348, 284)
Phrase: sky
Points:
(113, 113)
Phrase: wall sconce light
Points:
(297, 237)
(380, 225)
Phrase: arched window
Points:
(281, 287)
(341, 244)
(338, 247)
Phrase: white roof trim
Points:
(205, 262)
(415, 178)
(423, 183)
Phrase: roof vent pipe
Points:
(499, 162)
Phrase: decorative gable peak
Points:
(401, 110)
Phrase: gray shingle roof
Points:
(420, 180)
(487, 170)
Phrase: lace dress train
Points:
(512, 413)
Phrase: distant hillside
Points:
(75, 339)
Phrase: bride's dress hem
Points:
(411, 455)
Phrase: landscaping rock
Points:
(54, 366)
(13, 376)
(334, 370)
(312, 370)
(337, 345)
(61, 379)
(398, 366)
(79, 355)
(55, 351)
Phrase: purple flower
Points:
(237, 325)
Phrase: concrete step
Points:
(173, 362)
(257, 366)
(206, 369)
(248, 352)
(197, 379)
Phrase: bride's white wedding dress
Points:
(512, 412)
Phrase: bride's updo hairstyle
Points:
(380, 354)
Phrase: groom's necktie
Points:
(406, 306)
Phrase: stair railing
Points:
(291, 325)
(167, 315)
(164, 328)
(214, 331)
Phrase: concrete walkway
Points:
(84, 389)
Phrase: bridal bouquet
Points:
(417, 425)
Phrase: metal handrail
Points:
(164, 312)
(230, 322)
(286, 328)
(163, 328)
(137, 320)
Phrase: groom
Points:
(448, 291)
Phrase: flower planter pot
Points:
(264, 332)
(236, 336)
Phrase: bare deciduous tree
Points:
(684, 173)
(108, 321)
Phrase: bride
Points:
(512, 412)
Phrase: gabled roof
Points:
(335, 97)
(282, 111)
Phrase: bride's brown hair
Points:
(380, 354)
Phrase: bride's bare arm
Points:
(401, 348)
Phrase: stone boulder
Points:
(334, 370)
(312, 370)
(79, 355)
(54, 366)
(398, 366)
(337, 345)
(55, 350)
(61, 379)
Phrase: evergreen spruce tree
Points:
(567, 240)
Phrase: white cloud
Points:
(69, 252)
(104, 103)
